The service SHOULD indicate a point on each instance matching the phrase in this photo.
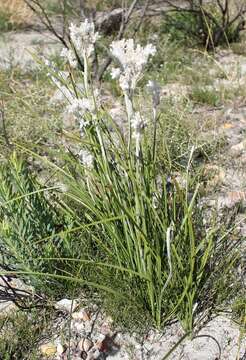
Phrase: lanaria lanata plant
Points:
(146, 226)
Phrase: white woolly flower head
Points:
(79, 107)
(86, 158)
(138, 124)
(84, 37)
(69, 56)
(132, 59)
(115, 73)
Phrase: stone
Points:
(60, 349)
(93, 355)
(81, 315)
(238, 148)
(66, 305)
(231, 199)
(215, 174)
(85, 344)
(17, 47)
(77, 326)
(48, 349)
(243, 159)
(105, 328)
(243, 69)
(7, 308)
(228, 126)
(109, 21)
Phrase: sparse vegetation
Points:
(205, 96)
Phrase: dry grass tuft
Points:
(16, 12)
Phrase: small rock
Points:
(7, 308)
(60, 349)
(238, 148)
(85, 344)
(105, 328)
(102, 343)
(228, 126)
(77, 326)
(243, 159)
(232, 199)
(48, 349)
(66, 305)
(81, 315)
(215, 174)
(95, 354)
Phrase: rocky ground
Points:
(93, 335)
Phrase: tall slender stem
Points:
(86, 82)
(129, 110)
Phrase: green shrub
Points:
(181, 26)
(205, 96)
(28, 220)
(20, 334)
(209, 25)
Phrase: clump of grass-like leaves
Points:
(148, 226)
(146, 240)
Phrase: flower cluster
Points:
(69, 56)
(81, 105)
(80, 108)
(83, 38)
(84, 109)
(132, 59)
(82, 101)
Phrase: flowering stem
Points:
(86, 74)
(129, 110)
(73, 82)
(155, 131)
(138, 148)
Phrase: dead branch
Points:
(41, 13)
(22, 298)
